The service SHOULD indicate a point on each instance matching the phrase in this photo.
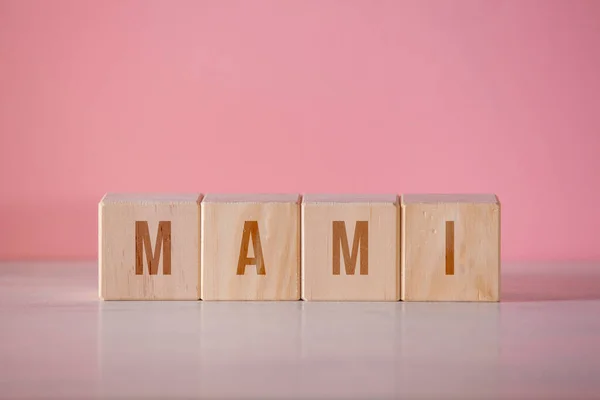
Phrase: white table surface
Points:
(57, 340)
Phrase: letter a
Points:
(251, 229)
(360, 242)
(163, 240)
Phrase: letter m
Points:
(142, 241)
(360, 243)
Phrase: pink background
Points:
(300, 96)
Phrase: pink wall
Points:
(300, 96)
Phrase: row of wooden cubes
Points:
(429, 247)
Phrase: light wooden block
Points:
(350, 247)
(250, 247)
(149, 247)
(450, 247)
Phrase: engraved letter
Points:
(251, 229)
(449, 247)
(142, 240)
(361, 242)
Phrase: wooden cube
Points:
(149, 247)
(450, 247)
(250, 247)
(350, 247)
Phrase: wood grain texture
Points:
(251, 198)
(429, 272)
(270, 264)
(377, 220)
(352, 198)
(124, 240)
